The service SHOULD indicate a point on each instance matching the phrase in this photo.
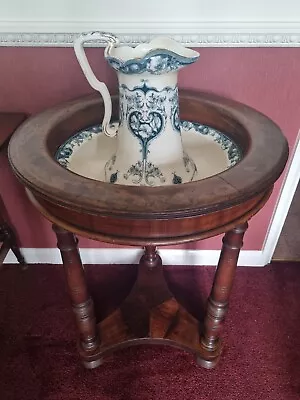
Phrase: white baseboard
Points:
(250, 258)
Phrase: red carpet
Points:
(261, 359)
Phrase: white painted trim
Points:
(253, 258)
(193, 34)
(284, 201)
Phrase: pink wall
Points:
(32, 79)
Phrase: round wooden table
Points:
(149, 217)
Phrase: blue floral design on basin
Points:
(231, 150)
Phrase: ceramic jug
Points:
(149, 145)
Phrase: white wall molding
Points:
(202, 23)
(193, 34)
(250, 258)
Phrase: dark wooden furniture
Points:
(8, 240)
(150, 217)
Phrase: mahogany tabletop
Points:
(264, 149)
(165, 214)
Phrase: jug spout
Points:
(160, 56)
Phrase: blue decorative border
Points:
(155, 62)
(233, 152)
(65, 151)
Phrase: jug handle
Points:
(108, 129)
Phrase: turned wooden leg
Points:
(82, 303)
(219, 296)
(150, 258)
(151, 276)
(150, 306)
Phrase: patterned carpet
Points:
(261, 359)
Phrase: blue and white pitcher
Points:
(149, 149)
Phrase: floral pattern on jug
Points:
(146, 111)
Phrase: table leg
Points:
(82, 303)
(151, 258)
(219, 296)
(150, 308)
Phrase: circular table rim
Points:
(188, 199)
